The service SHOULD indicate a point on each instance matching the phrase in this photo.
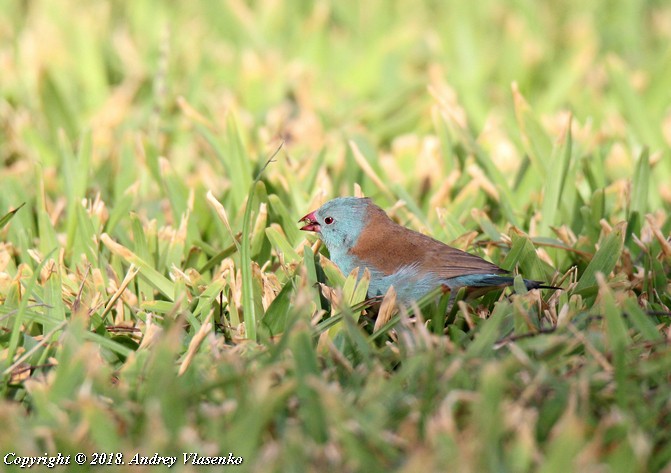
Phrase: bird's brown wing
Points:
(388, 246)
(450, 262)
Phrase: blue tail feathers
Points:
(492, 280)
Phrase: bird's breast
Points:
(344, 260)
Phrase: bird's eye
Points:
(328, 220)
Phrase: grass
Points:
(157, 297)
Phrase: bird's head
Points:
(338, 222)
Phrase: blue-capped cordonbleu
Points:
(358, 233)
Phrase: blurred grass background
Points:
(140, 314)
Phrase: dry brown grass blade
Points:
(369, 171)
(195, 343)
(44, 341)
(130, 275)
(387, 309)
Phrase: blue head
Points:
(338, 222)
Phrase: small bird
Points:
(358, 233)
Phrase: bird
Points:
(358, 233)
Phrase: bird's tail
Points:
(494, 280)
(530, 284)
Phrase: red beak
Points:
(312, 224)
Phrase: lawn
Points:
(158, 301)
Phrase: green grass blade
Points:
(156, 279)
(489, 332)
(523, 253)
(560, 164)
(641, 184)
(287, 220)
(248, 301)
(281, 244)
(276, 318)
(76, 168)
(4, 220)
(537, 143)
(16, 332)
(604, 259)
